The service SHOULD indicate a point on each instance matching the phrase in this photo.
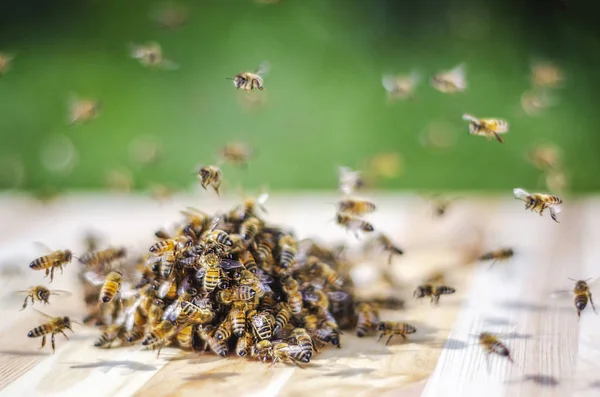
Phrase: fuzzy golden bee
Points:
(50, 262)
(151, 55)
(54, 326)
(546, 75)
(353, 223)
(538, 202)
(41, 294)
(450, 81)
(490, 128)
(391, 328)
(433, 291)
(367, 319)
(356, 206)
(502, 254)
(210, 175)
(491, 344)
(544, 157)
(237, 153)
(350, 180)
(400, 87)
(104, 257)
(582, 295)
(249, 81)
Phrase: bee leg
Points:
(63, 332)
(43, 342)
(380, 336)
(498, 138)
(47, 272)
(25, 303)
(578, 314)
(592, 302)
(275, 360)
(53, 345)
(389, 339)
(160, 346)
(52, 274)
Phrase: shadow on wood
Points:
(538, 379)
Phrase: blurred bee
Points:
(248, 208)
(544, 157)
(171, 16)
(556, 181)
(355, 206)
(400, 87)
(151, 55)
(322, 270)
(159, 336)
(83, 110)
(250, 228)
(384, 165)
(486, 127)
(538, 202)
(393, 328)
(91, 242)
(502, 254)
(437, 135)
(491, 344)
(248, 81)
(239, 293)
(353, 223)
(294, 296)
(110, 334)
(160, 193)
(327, 333)
(57, 259)
(5, 63)
(533, 102)
(388, 246)
(349, 180)
(288, 248)
(434, 291)
(41, 294)
(367, 319)
(450, 81)
(236, 153)
(440, 205)
(546, 75)
(185, 337)
(211, 175)
(582, 294)
(97, 259)
(54, 326)
(436, 277)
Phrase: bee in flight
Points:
(41, 294)
(54, 326)
(400, 87)
(582, 294)
(353, 223)
(151, 55)
(83, 110)
(538, 202)
(5, 62)
(355, 206)
(248, 81)
(49, 263)
(544, 157)
(486, 127)
(502, 254)
(533, 102)
(236, 153)
(491, 344)
(434, 291)
(349, 180)
(211, 175)
(546, 75)
(450, 81)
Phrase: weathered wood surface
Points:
(554, 354)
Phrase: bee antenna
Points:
(76, 322)
(572, 279)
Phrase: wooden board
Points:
(554, 354)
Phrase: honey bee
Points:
(194, 314)
(304, 341)
(41, 294)
(450, 81)
(213, 268)
(353, 223)
(159, 336)
(262, 326)
(491, 344)
(392, 328)
(218, 346)
(83, 110)
(294, 296)
(434, 291)
(243, 345)
(49, 263)
(236, 153)
(262, 350)
(327, 333)
(544, 157)
(185, 337)
(101, 258)
(533, 102)
(120, 180)
(171, 245)
(546, 75)
(248, 81)
(248, 207)
(349, 180)
(5, 63)
(502, 254)
(486, 127)
(538, 202)
(110, 334)
(250, 228)
(289, 353)
(582, 293)
(388, 246)
(237, 318)
(239, 293)
(54, 326)
(288, 248)
(259, 282)
(151, 55)
(283, 317)
(367, 319)
(400, 87)
(322, 270)
(112, 286)
(354, 206)
(211, 175)
(224, 330)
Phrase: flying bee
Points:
(367, 319)
(533, 102)
(546, 75)
(582, 294)
(236, 153)
(288, 248)
(400, 87)
(304, 341)
(96, 259)
(239, 293)
(110, 334)
(159, 336)
(213, 267)
(151, 55)
(538, 202)
(49, 263)
(388, 246)
(392, 328)
(5, 63)
(211, 175)
(353, 223)
(486, 127)
(491, 344)
(111, 285)
(450, 81)
(83, 110)
(54, 326)
(248, 81)
(355, 206)
(544, 157)
(434, 291)
(41, 294)
(349, 180)
(502, 254)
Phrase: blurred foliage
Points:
(325, 105)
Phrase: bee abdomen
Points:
(109, 290)
(40, 263)
(500, 349)
(581, 302)
(444, 290)
(287, 257)
(38, 331)
(219, 347)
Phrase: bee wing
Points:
(127, 292)
(458, 76)
(168, 64)
(262, 199)
(389, 83)
(310, 295)
(172, 311)
(42, 313)
(264, 278)
(228, 264)
(213, 223)
(561, 294)
(415, 77)
(263, 68)
(42, 247)
(470, 118)
(520, 194)
(94, 278)
(338, 296)
(61, 292)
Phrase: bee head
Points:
(45, 294)
(381, 326)
(368, 227)
(239, 81)
(68, 256)
(67, 322)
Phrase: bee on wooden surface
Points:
(367, 319)
(5, 63)
(294, 354)
(502, 254)
(49, 263)
(450, 81)
(248, 81)
(327, 332)
(239, 293)
(218, 346)
(98, 259)
(434, 291)
(110, 334)
(211, 175)
(538, 202)
(41, 294)
(491, 344)
(353, 223)
(244, 344)
(486, 127)
(54, 326)
(237, 153)
(304, 341)
(151, 55)
(159, 336)
(546, 75)
(349, 180)
(582, 294)
(355, 206)
(400, 87)
(544, 157)
(83, 110)
(391, 328)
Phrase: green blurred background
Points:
(325, 105)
